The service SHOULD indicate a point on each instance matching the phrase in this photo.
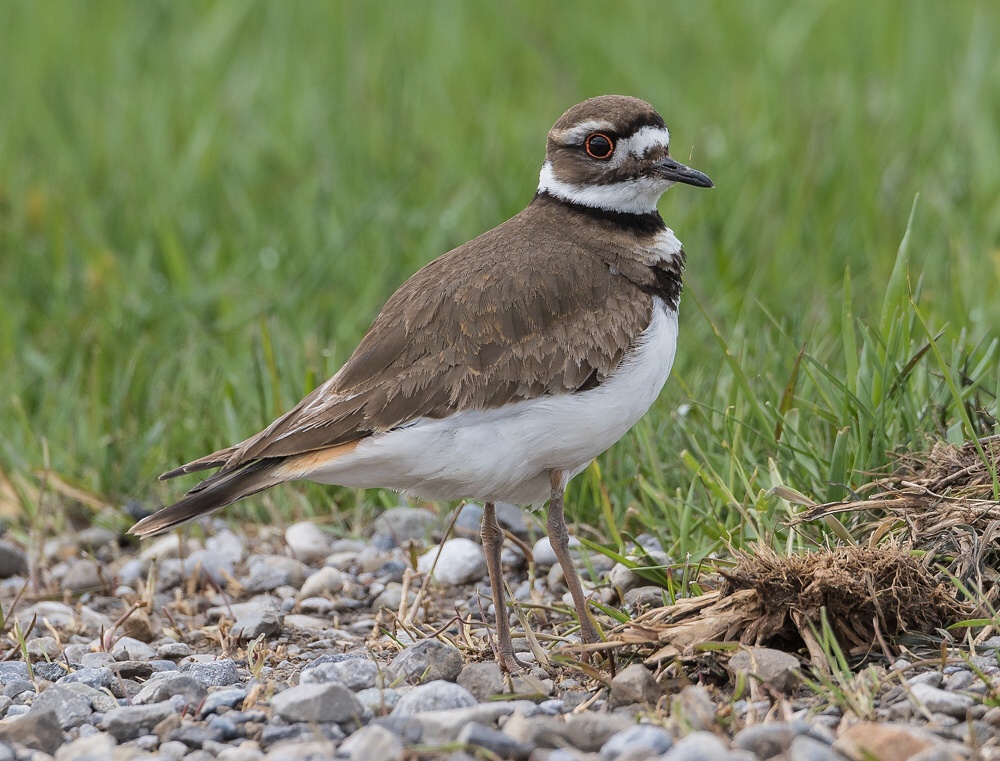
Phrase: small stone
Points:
(70, 708)
(768, 740)
(97, 678)
(196, 735)
(644, 597)
(773, 667)
(589, 731)
(459, 561)
(308, 542)
(380, 701)
(164, 687)
(434, 696)
(937, 700)
(88, 748)
(221, 673)
(15, 687)
(698, 746)
(438, 727)
(44, 647)
(316, 703)
(140, 626)
(694, 708)
(100, 700)
(804, 748)
(268, 572)
(82, 575)
(354, 673)
(168, 546)
(634, 684)
(229, 697)
(483, 679)
(403, 523)
(131, 649)
(476, 735)
(392, 597)
(656, 740)
(623, 578)
(263, 620)
(427, 661)
(39, 730)
(130, 722)
(173, 651)
(545, 556)
(326, 580)
(248, 751)
(373, 742)
(11, 671)
(13, 560)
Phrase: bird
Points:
(501, 369)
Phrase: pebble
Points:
(458, 561)
(308, 542)
(70, 708)
(130, 722)
(427, 661)
(131, 649)
(13, 560)
(261, 620)
(648, 737)
(698, 746)
(886, 741)
(476, 735)
(483, 679)
(165, 686)
(82, 575)
(545, 556)
(937, 700)
(220, 673)
(326, 580)
(768, 740)
(634, 684)
(778, 669)
(316, 703)
(434, 696)
(805, 748)
(354, 673)
(372, 742)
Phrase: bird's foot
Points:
(511, 664)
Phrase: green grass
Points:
(203, 206)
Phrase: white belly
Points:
(505, 455)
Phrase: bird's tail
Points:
(217, 491)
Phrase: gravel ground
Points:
(289, 646)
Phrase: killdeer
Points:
(502, 368)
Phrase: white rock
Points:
(545, 556)
(168, 546)
(326, 580)
(461, 562)
(308, 542)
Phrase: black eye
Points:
(599, 146)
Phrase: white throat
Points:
(632, 197)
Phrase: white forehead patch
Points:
(645, 139)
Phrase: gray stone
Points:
(634, 684)
(623, 578)
(392, 597)
(91, 660)
(244, 752)
(482, 679)
(44, 647)
(545, 556)
(773, 667)
(650, 596)
(308, 542)
(476, 735)
(589, 731)
(131, 649)
(92, 677)
(100, 700)
(804, 748)
(427, 661)
(196, 735)
(71, 709)
(438, 727)
(263, 620)
(354, 673)
(11, 671)
(404, 523)
(694, 707)
(13, 560)
(937, 700)
(173, 651)
(95, 747)
(204, 564)
(82, 575)
(768, 740)
(94, 538)
(130, 722)
(650, 737)
(316, 703)
(698, 746)
(380, 701)
(221, 673)
(39, 730)
(373, 742)
(15, 687)
(326, 580)
(434, 696)
(458, 561)
(268, 572)
(165, 686)
(229, 697)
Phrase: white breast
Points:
(505, 454)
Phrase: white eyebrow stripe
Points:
(580, 131)
(644, 139)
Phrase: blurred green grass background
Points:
(203, 206)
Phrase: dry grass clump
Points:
(870, 594)
(942, 503)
